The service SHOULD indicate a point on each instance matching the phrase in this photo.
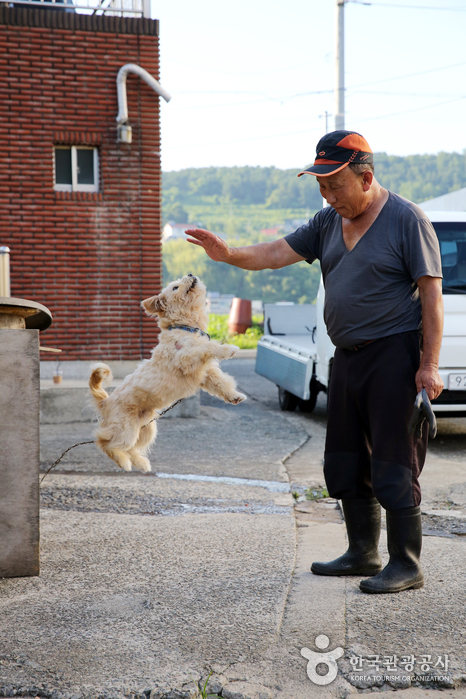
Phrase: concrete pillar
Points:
(340, 67)
(19, 452)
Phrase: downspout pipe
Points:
(124, 130)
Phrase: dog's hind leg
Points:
(116, 441)
(222, 385)
(147, 436)
(115, 449)
(140, 462)
(119, 457)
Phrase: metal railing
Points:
(110, 8)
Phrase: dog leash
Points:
(61, 457)
(55, 463)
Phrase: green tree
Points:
(175, 212)
(298, 283)
(240, 201)
(417, 177)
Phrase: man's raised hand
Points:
(215, 247)
(271, 255)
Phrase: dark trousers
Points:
(368, 450)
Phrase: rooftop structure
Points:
(453, 201)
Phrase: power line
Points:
(224, 105)
(281, 100)
(411, 7)
(415, 109)
(401, 94)
(317, 92)
(245, 92)
(377, 82)
(241, 140)
(408, 75)
(311, 130)
(271, 71)
(229, 92)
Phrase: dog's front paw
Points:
(230, 351)
(238, 398)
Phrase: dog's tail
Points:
(101, 375)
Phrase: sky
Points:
(251, 80)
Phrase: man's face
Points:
(345, 192)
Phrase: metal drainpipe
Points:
(4, 271)
(124, 129)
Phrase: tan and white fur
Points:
(180, 364)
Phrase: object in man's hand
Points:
(422, 411)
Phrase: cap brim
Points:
(323, 170)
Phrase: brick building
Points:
(80, 210)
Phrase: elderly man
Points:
(382, 273)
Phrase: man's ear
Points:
(367, 179)
(155, 306)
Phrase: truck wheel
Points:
(287, 400)
(307, 406)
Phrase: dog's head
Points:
(181, 302)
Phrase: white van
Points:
(450, 227)
(296, 352)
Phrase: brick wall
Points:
(89, 257)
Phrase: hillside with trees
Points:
(298, 283)
(239, 202)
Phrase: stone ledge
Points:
(80, 370)
(245, 354)
(59, 17)
(70, 401)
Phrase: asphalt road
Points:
(443, 480)
(150, 582)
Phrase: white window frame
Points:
(75, 187)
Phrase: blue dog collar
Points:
(189, 329)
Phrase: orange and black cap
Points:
(338, 149)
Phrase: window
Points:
(76, 169)
(452, 239)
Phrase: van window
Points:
(452, 239)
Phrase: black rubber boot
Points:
(404, 536)
(362, 519)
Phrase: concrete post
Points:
(19, 452)
(4, 270)
(340, 66)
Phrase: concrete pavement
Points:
(150, 583)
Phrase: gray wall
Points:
(19, 452)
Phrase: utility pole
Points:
(340, 66)
(324, 201)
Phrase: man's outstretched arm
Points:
(273, 255)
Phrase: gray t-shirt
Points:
(371, 291)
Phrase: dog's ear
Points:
(155, 306)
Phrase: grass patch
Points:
(202, 694)
(218, 330)
(318, 493)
